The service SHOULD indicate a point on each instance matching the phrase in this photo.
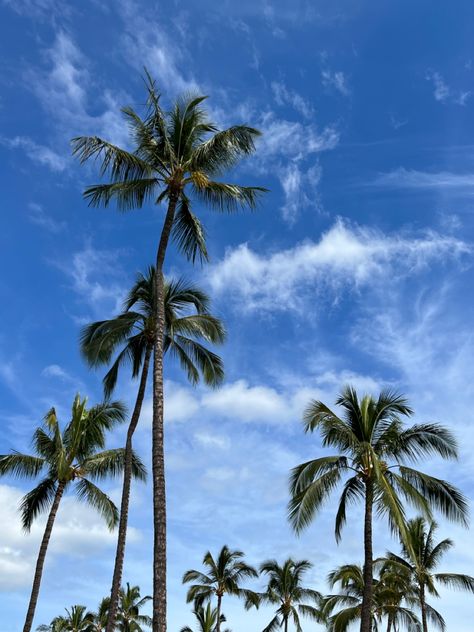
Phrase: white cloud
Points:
(54, 370)
(96, 277)
(444, 93)
(78, 532)
(37, 153)
(412, 179)
(284, 96)
(37, 215)
(336, 80)
(344, 256)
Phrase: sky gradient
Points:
(357, 268)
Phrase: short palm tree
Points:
(129, 618)
(175, 156)
(224, 576)
(68, 458)
(130, 337)
(389, 591)
(77, 619)
(100, 617)
(206, 619)
(420, 557)
(374, 447)
(285, 589)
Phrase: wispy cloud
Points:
(443, 92)
(402, 178)
(37, 215)
(37, 153)
(335, 80)
(285, 96)
(345, 255)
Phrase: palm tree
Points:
(390, 589)
(129, 618)
(76, 620)
(420, 557)
(130, 337)
(224, 576)
(175, 155)
(206, 618)
(374, 445)
(285, 589)
(100, 617)
(73, 457)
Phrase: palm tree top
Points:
(173, 152)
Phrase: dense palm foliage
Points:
(286, 591)
(392, 600)
(70, 458)
(128, 339)
(375, 447)
(206, 619)
(420, 558)
(129, 617)
(77, 619)
(224, 576)
(176, 156)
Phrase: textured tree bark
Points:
(41, 557)
(366, 611)
(424, 619)
(125, 502)
(219, 605)
(158, 460)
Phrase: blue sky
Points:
(357, 267)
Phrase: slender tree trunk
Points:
(41, 557)
(366, 611)
(125, 502)
(286, 624)
(158, 457)
(219, 605)
(424, 619)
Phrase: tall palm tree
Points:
(285, 589)
(176, 156)
(206, 619)
(390, 590)
(77, 619)
(129, 618)
(224, 576)
(72, 457)
(130, 337)
(420, 557)
(374, 445)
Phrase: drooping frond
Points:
(37, 501)
(228, 197)
(111, 463)
(21, 465)
(89, 493)
(188, 232)
(306, 503)
(128, 194)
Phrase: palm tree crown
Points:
(285, 589)
(421, 555)
(132, 331)
(224, 576)
(129, 618)
(206, 619)
(77, 619)
(175, 154)
(375, 447)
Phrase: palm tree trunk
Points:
(218, 623)
(41, 557)
(158, 457)
(366, 611)
(424, 619)
(125, 502)
(286, 624)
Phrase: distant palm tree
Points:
(224, 576)
(285, 589)
(130, 337)
(71, 457)
(77, 619)
(174, 155)
(389, 591)
(206, 619)
(100, 617)
(420, 557)
(374, 446)
(129, 618)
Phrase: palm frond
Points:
(89, 493)
(111, 463)
(228, 197)
(21, 465)
(37, 501)
(188, 232)
(128, 194)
